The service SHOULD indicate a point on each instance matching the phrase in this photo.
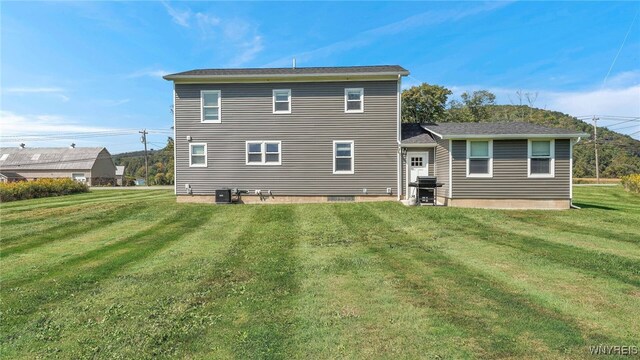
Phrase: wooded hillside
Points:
(161, 164)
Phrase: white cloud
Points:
(238, 40)
(50, 91)
(180, 17)
(370, 36)
(249, 50)
(609, 101)
(110, 102)
(23, 126)
(154, 73)
(29, 90)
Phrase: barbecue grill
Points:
(426, 189)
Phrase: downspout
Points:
(175, 145)
(398, 139)
(571, 143)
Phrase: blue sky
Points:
(70, 68)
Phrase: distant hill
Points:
(618, 154)
(161, 164)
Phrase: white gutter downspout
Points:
(398, 139)
(175, 141)
(571, 143)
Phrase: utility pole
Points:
(595, 144)
(143, 139)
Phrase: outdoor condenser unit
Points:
(223, 196)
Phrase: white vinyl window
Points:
(354, 100)
(264, 153)
(198, 155)
(210, 101)
(282, 101)
(541, 158)
(479, 158)
(343, 157)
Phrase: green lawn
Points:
(133, 274)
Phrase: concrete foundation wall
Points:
(253, 199)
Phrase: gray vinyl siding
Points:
(307, 134)
(510, 179)
(431, 165)
(442, 166)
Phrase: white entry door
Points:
(417, 165)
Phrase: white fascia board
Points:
(418, 145)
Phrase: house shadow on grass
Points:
(593, 206)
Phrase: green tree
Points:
(474, 107)
(424, 103)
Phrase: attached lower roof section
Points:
(414, 135)
(498, 130)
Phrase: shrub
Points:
(23, 190)
(631, 182)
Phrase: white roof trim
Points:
(417, 145)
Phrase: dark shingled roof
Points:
(334, 70)
(497, 130)
(415, 134)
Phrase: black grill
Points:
(426, 189)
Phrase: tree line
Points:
(161, 165)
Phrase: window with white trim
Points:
(198, 155)
(264, 153)
(479, 158)
(343, 157)
(282, 101)
(354, 100)
(541, 158)
(210, 101)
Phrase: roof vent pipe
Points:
(22, 146)
(72, 146)
(294, 63)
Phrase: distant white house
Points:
(92, 165)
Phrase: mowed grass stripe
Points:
(84, 272)
(68, 228)
(252, 289)
(501, 320)
(597, 263)
(11, 213)
(349, 306)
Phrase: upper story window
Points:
(343, 157)
(264, 153)
(198, 155)
(210, 101)
(354, 100)
(282, 101)
(541, 158)
(479, 158)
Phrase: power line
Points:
(620, 49)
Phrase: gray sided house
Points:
(92, 165)
(334, 134)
